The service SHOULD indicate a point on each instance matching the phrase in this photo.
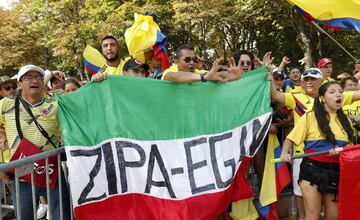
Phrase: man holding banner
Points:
(31, 127)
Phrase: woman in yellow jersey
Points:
(324, 128)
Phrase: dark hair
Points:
(73, 81)
(183, 47)
(238, 54)
(343, 80)
(109, 37)
(322, 116)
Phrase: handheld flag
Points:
(93, 60)
(276, 177)
(176, 155)
(145, 34)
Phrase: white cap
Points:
(23, 70)
(312, 72)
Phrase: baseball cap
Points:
(23, 70)
(277, 73)
(134, 64)
(323, 62)
(312, 72)
(5, 79)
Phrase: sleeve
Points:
(347, 98)
(299, 132)
(290, 101)
(168, 70)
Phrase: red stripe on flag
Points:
(145, 207)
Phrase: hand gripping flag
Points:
(145, 34)
(335, 14)
(276, 177)
(176, 155)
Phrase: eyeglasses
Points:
(189, 59)
(31, 78)
(245, 63)
(313, 72)
(7, 88)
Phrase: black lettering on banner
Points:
(242, 143)
(258, 135)
(110, 168)
(120, 145)
(155, 155)
(93, 173)
(193, 166)
(215, 166)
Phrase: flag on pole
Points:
(335, 14)
(349, 189)
(173, 155)
(276, 177)
(145, 34)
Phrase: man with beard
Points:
(114, 64)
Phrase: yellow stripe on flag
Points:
(243, 210)
(268, 186)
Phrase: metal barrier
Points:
(25, 166)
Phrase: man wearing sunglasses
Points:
(185, 70)
(8, 86)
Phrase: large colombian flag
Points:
(139, 148)
(332, 13)
(276, 177)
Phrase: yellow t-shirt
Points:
(116, 70)
(352, 109)
(301, 103)
(175, 68)
(45, 114)
(306, 131)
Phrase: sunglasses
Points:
(189, 59)
(311, 72)
(245, 63)
(31, 78)
(7, 88)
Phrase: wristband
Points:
(202, 77)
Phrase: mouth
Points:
(339, 101)
(34, 87)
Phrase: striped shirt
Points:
(45, 114)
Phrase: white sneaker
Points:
(42, 210)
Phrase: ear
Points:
(322, 99)
(19, 85)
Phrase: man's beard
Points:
(115, 58)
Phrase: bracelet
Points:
(202, 77)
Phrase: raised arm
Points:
(276, 95)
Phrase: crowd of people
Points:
(322, 109)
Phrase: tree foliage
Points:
(53, 33)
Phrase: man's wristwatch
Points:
(202, 77)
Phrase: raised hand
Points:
(234, 71)
(214, 75)
(267, 60)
